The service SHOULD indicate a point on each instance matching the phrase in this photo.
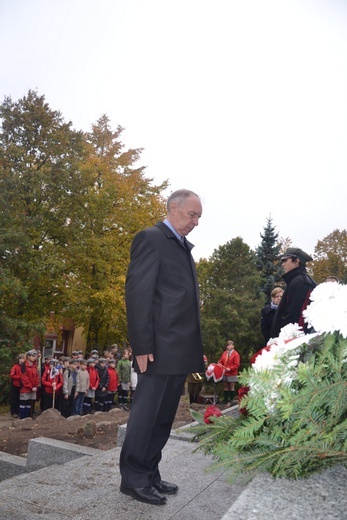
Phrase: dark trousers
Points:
(99, 401)
(109, 401)
(87, 405)
(148, 429)
(66, 404)
(14, 399)
(25, 408)
(77, 405)
(122, 395)
(48, 401)
(194, 390)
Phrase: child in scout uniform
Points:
(124, 375)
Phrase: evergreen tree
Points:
(231, 300)
(267, 259)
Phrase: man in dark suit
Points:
(162, 301)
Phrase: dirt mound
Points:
(98, 430)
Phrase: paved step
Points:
(77, 483)
(87, 488)
(11, 465)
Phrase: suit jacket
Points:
(162, 302)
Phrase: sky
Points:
(243, 102)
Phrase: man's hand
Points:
(142, 361)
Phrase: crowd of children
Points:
(74, 386)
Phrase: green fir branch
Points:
(303, 429)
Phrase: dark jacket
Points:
(162, 300)
(294, 301)
(103, 376)
(266, 318)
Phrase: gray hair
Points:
(180, 196)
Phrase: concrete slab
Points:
(87, 488)
(320, 497)
(11, 465)
(43, 452)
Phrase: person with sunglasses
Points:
(299, 286)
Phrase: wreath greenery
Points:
(295, 410)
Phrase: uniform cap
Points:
(32, 352)
(299, 253)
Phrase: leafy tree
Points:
(39, 171)
(267, 259)
(39, 158)
(231, 300)
(70, 204)
(330, 257)
(120, 203)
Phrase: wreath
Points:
(293, 400)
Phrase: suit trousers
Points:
(148, 429)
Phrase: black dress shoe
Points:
(149, 495)
(166, 487)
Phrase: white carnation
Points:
(327, 312)
(278, 366)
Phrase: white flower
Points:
(290, 331)
(279, 364)
(328, 311)
(277, 367)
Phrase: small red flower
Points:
(243, 390)
(211, 410)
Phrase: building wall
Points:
(78, 341)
